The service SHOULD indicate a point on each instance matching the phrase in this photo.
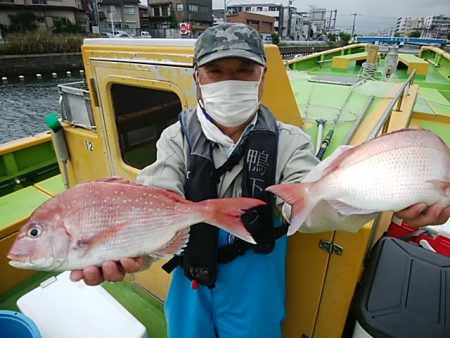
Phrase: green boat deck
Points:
(318, 100)
(147, 309)
(141, 305)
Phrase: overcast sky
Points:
(374, 15)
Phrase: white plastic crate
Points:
(62, 308)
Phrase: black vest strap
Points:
(259, 150)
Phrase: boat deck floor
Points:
(141, 305)
(320, 100)
(146, 308)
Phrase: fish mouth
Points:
(25, 262)
(18, 261)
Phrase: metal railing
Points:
(397, 101)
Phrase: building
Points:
(47, 12)
(143, 17)
(165, 15)
(275, 10)
(264, 24)
(119, 15)
(316, 23)
(406, 25)
(436, 27)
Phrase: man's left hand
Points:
(420, 214)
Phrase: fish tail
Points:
(225, 213)
(298, 196)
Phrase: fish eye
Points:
(34, 231)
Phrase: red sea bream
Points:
(113, 218)
(391, 172)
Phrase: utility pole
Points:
(224, 10)
(354, 19)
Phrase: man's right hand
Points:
(111, 271)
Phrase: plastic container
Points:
(17, 325)
(403, 292)
(64, 309)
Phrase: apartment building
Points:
(437, 26)
(47, 12)
(274, 10)
(264, 24)
(165, 14)
(119, 15)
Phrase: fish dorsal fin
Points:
(119, 180)
(337, 162)
(175, 246)
(116, 179)
(172, 196)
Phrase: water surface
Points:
(24, 105)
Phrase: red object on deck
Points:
(194, 284)
(439, 243)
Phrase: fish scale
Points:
(389, 173)
(113, 218)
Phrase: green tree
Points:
(174, 23)
(331, 36)
(414, 34)
(22, 22)
(275, 38)
(345, 37)
(62, 25)
(396, 35)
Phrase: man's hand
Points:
(111, 271)
(419, 214)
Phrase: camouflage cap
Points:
(229, 40)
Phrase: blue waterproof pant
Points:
(247, 302)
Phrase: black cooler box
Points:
(404, 292)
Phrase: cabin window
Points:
(141, 114)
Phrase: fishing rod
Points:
(327, 140)
(19, 180)
(320, 125)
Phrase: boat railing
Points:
(396, 102)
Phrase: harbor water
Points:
(24, 105)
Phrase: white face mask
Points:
(231, 102)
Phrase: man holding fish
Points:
(232, 146)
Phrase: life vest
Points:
(259, 150)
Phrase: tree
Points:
(396, 35)
(22, 22)
(331, 36)
(62, 25)
(275, 38)
(345, 37)
(414, 34)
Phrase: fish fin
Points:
(225, 213)
(100, 237)
(168, 194)
(345, 209)
(175, 246)
(116, 179)
(298, 196)
(443, 186)
(336, 162)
